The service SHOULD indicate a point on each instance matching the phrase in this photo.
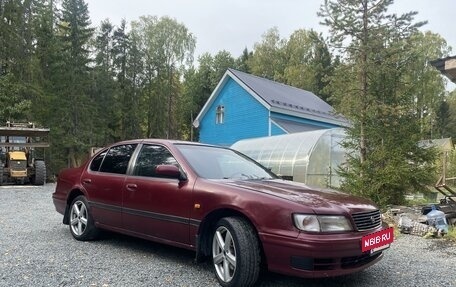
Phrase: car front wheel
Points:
(235, 252)
(82, 226)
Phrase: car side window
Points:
(96, 162)
(150, 157)
(117, 159)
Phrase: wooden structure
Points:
(446, 66)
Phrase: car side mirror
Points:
(170, 171)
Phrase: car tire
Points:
(40, 173)
(81, 223)
(235, 252)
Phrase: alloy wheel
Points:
(78, 218)
(224, 254)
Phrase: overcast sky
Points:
(236, 24)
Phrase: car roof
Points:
(167, 142)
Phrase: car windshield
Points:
(222, 163)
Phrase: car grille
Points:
(367, 220)
(18, 164)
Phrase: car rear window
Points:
(117, 159)
(96, 162)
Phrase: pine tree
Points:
(16, 59)
(73, 106)
(104, 87)
(125, 56)
(46, 58)
(368, 88)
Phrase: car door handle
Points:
(132, 186)
(87, 181)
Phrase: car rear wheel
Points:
(82, 226)
(235, 252)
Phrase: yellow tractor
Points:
(18, 161)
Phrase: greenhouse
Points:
(310, 157)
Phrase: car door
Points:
(104, 183)
(154, 205)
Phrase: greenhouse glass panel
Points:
(310, 157)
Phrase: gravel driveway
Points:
(36, 249)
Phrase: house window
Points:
(219, 114)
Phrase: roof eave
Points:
(211, 99)
(228, 74)
(330, 120)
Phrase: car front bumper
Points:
(318, 255)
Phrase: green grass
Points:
(451, 233)
(418, 202)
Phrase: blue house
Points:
(245, 106)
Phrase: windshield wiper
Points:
(245, 176)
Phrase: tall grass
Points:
(451, 233)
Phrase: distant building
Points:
(245, 106)
(446, 66)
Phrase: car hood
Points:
(322, 201)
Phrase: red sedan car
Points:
(222, 205)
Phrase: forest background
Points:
(95, 85)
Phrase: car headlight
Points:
(321, 223)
